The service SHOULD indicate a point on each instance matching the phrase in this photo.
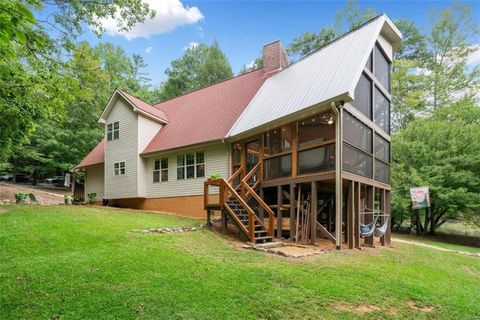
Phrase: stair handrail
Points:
(251, 191)
(234, 176)
(251, 214)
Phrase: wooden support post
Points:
(383, 211)
(209, 212)
(292, 211)
(370, 198)
(279, 212)
(313, 214)
(357, 186)
(388, 210)
(224, 221)
(351, 195)
(338, 214)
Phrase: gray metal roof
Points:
(330, 72)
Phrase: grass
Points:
(69, 262)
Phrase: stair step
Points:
(263, 238)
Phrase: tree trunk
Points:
(432, 223)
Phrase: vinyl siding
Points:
(94, 181)
(216, 160)
(123, 149)
(147, 129)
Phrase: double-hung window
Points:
(119, 168)
(191, 165)
(113, 131)
(160, 172)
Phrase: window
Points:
(113, 131)
(356, 133)
(277, 167)
(277, 140)
(356, 161)
(363, 96)
(315, 160)
(381, 68)
(315, 130)
(382, 111)
(119, 168)
(191, 165)
(160, 171)
(382, 149)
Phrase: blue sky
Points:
(243, 27)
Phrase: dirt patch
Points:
(414, 306)
(2, 210)
(8, 190)
(469, 270)
(357, 309)
(426, 245)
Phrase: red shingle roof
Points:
(96, 156)
(204, 115)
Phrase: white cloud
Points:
(191, 45)
(474, 57)
(170, 14)
(251, 65)
(148, 49)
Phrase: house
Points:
(303, 149)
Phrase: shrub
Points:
(215, 176)
(32, 197)
(20, 197)
(91, 197)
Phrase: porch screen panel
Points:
(277, 140)
(382, 149)
(381, 68)
(382, 111)
(356, 161)
(356, 133)
(382, 171)
(315, 160)
(363, 96)
(278, 167)
(315, 130)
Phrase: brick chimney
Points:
(274, 57)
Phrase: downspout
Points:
(338, 111)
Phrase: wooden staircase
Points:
(239, 200)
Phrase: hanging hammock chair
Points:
(380, 231)
(366, 230)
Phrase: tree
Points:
(31, 63)
(350, 17)
(441, 152)
(255, 64)
(200, 66)
(407, 83)
(443, 62)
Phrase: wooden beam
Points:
(279, 212)
(321, 176)
(350, 235)
(370, 198)
(388, 210)
(356, 223)
(294, 149)
(364, 180)
(313, 214)
(383, 209)
(325, 232)
(292, 211)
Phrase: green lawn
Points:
(83, 263)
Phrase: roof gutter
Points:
(338, 111)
